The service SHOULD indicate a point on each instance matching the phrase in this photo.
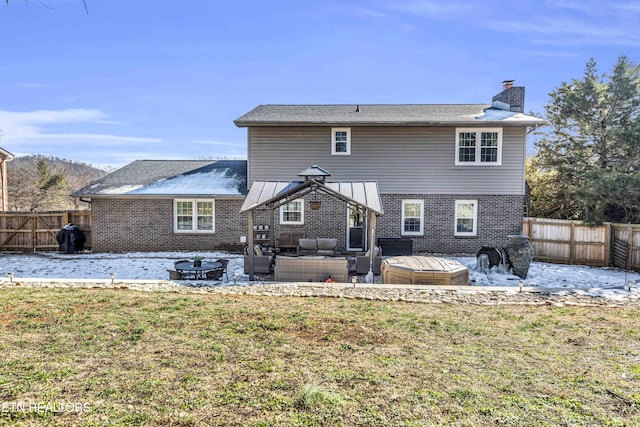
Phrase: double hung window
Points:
(194, 216)
(466, 218)
(341, 141)
(412, 217)
(292, 213)
(481, 146)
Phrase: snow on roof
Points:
(172, 178)
(496, 114)
(211, 182)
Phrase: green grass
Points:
(168, 359)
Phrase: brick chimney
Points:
(506, 84)
(510, 99)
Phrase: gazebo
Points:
(363, 195)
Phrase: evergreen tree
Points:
(590, 149)
(38, 190)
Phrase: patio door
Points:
(356, 230)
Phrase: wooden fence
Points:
(573, 242)
(37, 231)
(625, 246)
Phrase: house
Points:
(447, 178)
(451, 177)
(159, 205)
(5, 156)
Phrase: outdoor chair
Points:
(225, 263)
(185, 274)
(175, 275)
(262, 263)
(363, 261)
(215, 274)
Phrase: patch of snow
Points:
(554, 278)
(123, 189)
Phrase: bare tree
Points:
(86, 8)
(39, 183)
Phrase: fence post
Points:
(629, 259)
(572, 244)
(608, 243)
(34, 235)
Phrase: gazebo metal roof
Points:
(275, 193)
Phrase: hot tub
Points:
(424, 270)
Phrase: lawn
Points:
(109, 357)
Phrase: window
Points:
(194, 216)
(341, 141)
(479, 146)
(412, 217)
(466, 217)
(292, 212)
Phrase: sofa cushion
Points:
(326, 244)
(308, 245)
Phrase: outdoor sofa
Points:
(319, 246)
(311, 269)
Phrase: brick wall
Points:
(328, 221)
(498, 217)
(121, 225)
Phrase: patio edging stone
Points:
(472, 295)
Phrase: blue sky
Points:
(142, 79)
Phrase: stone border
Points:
(472, 295)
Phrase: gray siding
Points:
(403, 160)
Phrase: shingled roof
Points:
(172, 178)
(387, 114)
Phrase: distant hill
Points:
(43, 183)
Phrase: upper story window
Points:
(341, 141)
(479, 146)
(292, 213)
(412, 217)
(194, 216)
(466, 218)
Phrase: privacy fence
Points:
(37, 231)
(573, 242)
(554, 240)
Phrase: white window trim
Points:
(194, 214)
(475, 218)
(478, 147)
(412, 233)
(333, 141)
(301, 222)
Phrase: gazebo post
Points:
(250, 250)
(372, 243)
(272, 233)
